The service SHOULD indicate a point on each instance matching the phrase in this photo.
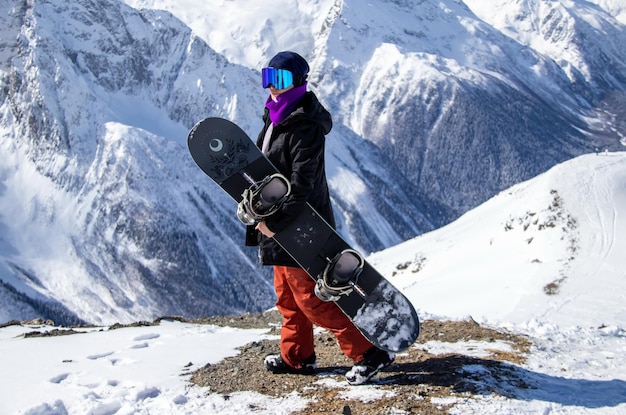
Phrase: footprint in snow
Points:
(59, 378)
(149, 336)
(99, 355)
(148, 392)
(139, 346)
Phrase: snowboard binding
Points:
(263, 198)
(340, 276)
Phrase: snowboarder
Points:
(293, 136)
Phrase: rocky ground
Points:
(419, 382)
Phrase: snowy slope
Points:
(551, 28)
(493, 264)
(617, 8)
(549, 249)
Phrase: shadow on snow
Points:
(485, 377)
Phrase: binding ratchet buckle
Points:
(340, 276)
(263, 198)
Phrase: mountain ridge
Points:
(105, 215)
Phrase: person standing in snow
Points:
(292, 138)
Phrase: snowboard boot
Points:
(275, 364)
(373, 361)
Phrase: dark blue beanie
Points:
(294, 63)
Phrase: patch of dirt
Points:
(408, 386)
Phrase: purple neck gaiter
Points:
(285, 103)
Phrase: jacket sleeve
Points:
(306, 147)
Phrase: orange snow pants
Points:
(301, 309)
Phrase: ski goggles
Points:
(279, 78)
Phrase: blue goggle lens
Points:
(280, 78)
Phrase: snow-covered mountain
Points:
(104, 214)
(437, 107)
(549, 249)
(436, 84)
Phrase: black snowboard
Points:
(382, 313)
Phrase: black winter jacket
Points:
(297, 150)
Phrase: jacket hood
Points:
(310, 107)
